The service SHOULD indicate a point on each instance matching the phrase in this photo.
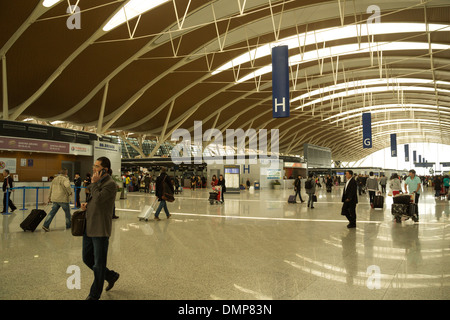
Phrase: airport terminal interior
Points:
(261, 91)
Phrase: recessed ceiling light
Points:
(49, 3)
(132, 9)
(330, 34)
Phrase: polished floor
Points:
(254, 246)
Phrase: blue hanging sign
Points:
(367, 130)
(393, 145)
(280, 82)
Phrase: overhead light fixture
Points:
(361, 91)
(130, 10)
(345, 115)
(49, 3)
(348, 49)
(332, 34)
(391, 82)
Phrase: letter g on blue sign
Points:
(367, 130)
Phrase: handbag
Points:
(167, 194)
(78, 223)
(314, 199)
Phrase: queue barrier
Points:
(8, 191)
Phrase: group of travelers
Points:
(358, 184)
(99, 206)
(101, 192)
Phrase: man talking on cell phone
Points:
(99, 213)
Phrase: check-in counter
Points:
(35, 191)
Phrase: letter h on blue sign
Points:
(280, 82)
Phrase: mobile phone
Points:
(102, 172)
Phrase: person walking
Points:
(310, 189)
(162, 183)
(395, 185)
(383, 182)
(372, 187)
(99, 212)
(147, 183)
(221, 183)
(7, 185)
(446, 184)
(298, 187)
(329, 183)
(77, 183)
(60, 193)
(86, 183)
(413, 185)
(437, 186)
(214, 181)
(350, 199)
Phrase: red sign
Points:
(33, 145)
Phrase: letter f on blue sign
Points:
(280, 82)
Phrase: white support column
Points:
(162, 138)
(5, 89)
(125, 139)
(102, 109)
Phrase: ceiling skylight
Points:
(361, 91)
(347, 49)
(331, 34)
(391, 82)
(132, 9)
(345, 115)
(49, 3)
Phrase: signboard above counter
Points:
(34, 145)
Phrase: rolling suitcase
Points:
(413, 212)
(378, 202)
(402, 199)
(291, 199)
(33, 220)
(147, 212)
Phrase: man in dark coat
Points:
(7, 185)
(350, 199)
(163, 183)
(99, 212)
(298, 187)
(77, 182)
(222, 184)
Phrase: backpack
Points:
(308, 184)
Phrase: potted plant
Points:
(120, 189)
(276, 185)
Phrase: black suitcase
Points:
(378, 202)
(402, 198)
(32, 221)
(413, 212)
(292, 199)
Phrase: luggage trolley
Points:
(404, 207)
(214, 196)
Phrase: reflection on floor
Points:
(254, 246)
